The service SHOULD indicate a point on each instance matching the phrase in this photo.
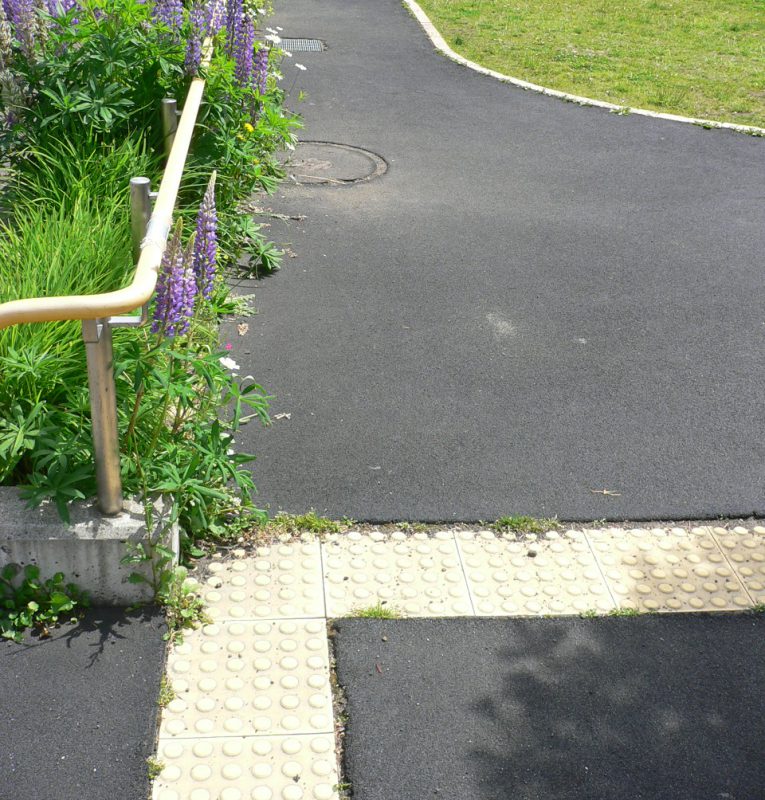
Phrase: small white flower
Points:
(272, 37)
(289, 146)
(279, 29)
(271, 30)
(262, 11)
(229, 363)
(300, 66)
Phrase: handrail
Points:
(96, 306)
(100, 312)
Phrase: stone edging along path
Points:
(252, 714)
(440, 44)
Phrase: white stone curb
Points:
(440, 44)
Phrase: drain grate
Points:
(303, 45)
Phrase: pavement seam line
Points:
(600, 569)
(732, 567)
(323, 579)
(464, 573)
(440, 44)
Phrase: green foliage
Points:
(309, 522)
(264, 256)
(624, 612)
(27, 601)
(166, 692)
(183, 609)
(102, 78)
(525, 524)
(154, 767)
(378, 611)
(86, 110)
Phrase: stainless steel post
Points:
(169, 123)
(103, 409)
(140, 212)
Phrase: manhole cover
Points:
(330, 163)
(303, 45)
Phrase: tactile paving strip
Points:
(414, 575)
(248, 768)
(247, 678)
(745, 551)
(551, 573)
(667, 570)
(279, 581)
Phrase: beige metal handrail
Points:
(95, 306)
(98, 312)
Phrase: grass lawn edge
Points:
(440, 44)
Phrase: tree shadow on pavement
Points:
(654, 707)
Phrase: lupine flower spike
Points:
(194, 44)
(243, 51)
(261, 70)
(23, 17)
(234, 15)
(176, 290)
(215, 17)
(170, 14)
(205, 259)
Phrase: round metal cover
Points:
(330, 163)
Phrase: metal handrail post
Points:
(140, 213)
(169, 123)
(103, 409)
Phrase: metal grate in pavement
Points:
(303, 45)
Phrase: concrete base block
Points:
(88, 550)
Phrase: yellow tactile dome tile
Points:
(667, 570)
(745, 551)
(417, 576)
(248, 768)
(247, 678)
(277, 581)
(549, 573)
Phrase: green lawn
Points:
(700, 58)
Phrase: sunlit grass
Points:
(700, 58)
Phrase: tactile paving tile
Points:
(247, 768)
(247, 678)
(550, 573)
(417, 576)
(667, 570)
(279, 581)
(745, 551)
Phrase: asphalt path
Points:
(668, 707)
(539, 309)
(78, 711)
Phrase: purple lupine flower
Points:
(261, 70)
(215, 16)
(234, 17)
(23, 17)
(169, 13)
(243, 51)
(194, 44)
(176, 291)
(205, 257)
